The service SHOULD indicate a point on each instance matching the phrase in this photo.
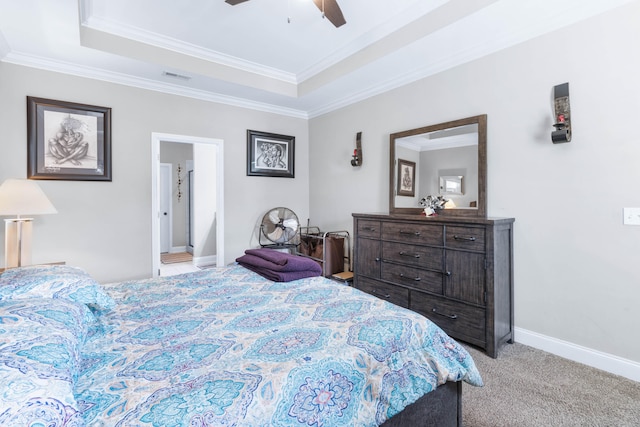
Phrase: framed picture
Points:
(406, 178)
(68, 141)
(269, 154)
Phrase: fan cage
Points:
(280, 228)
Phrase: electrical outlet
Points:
(631, 216)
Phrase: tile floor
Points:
(177, 268)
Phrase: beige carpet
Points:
(168, 258)
(528, 387)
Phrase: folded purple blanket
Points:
(279, 266)
(278, 261)
(280, 276)
(274, 256)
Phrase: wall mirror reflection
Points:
(450, 160)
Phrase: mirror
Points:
(447, 159)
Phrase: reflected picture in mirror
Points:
(406, 178)
(449, 160)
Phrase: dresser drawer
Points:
(428, 234)
(394, 294)
(369, 228)
(417, 256)
(465, 238)
(422, 279)
(461, 321)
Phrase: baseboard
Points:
(587, 356)
(177, 249)
(205, 260)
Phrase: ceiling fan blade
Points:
(331, 11)
(235, 2)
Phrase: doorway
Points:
(190, 208)
(211, 145)
(166, 214)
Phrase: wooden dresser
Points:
(456, 271)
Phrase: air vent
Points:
(175, 76)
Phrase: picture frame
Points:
(68, 141)
(406, 181)
(270, 154)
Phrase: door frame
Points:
(167, 193)
(156, 138)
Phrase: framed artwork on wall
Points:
(406, 178)
(68, 141)
(270, 154)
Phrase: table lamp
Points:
(21, 197)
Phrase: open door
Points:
(165, 208)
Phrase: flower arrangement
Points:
(432, 204)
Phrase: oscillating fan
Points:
(279, 226)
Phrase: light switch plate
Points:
(631, 216)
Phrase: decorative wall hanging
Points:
(270, 154)
(356, 159)
(179, 173)
(406, 178)
(562, 112)
(68, 141)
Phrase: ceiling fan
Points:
(329, 9)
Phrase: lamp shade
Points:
(23, 197)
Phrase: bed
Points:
(218, 347)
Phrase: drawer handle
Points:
(469, 239)
(415, 279)
(368, 228)
(414, 233)
(403, 253)
(449, 316)
(387, 296)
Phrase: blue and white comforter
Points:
(225, 347)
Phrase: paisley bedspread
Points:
(226, 347)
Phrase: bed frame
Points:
(442, 408)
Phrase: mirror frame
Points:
(481, 210)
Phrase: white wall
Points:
(576, 266)
(204, 186)
(105, 227)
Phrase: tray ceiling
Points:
(272, 55)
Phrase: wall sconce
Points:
(179, 183)
(21, 197)
(356, 159)
(562, 114)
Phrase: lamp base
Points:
(17, 242)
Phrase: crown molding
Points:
(141, 83)
(175, 45)
(468, 53)
(500, 10)
(371, 37)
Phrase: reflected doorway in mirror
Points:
(452, 185)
